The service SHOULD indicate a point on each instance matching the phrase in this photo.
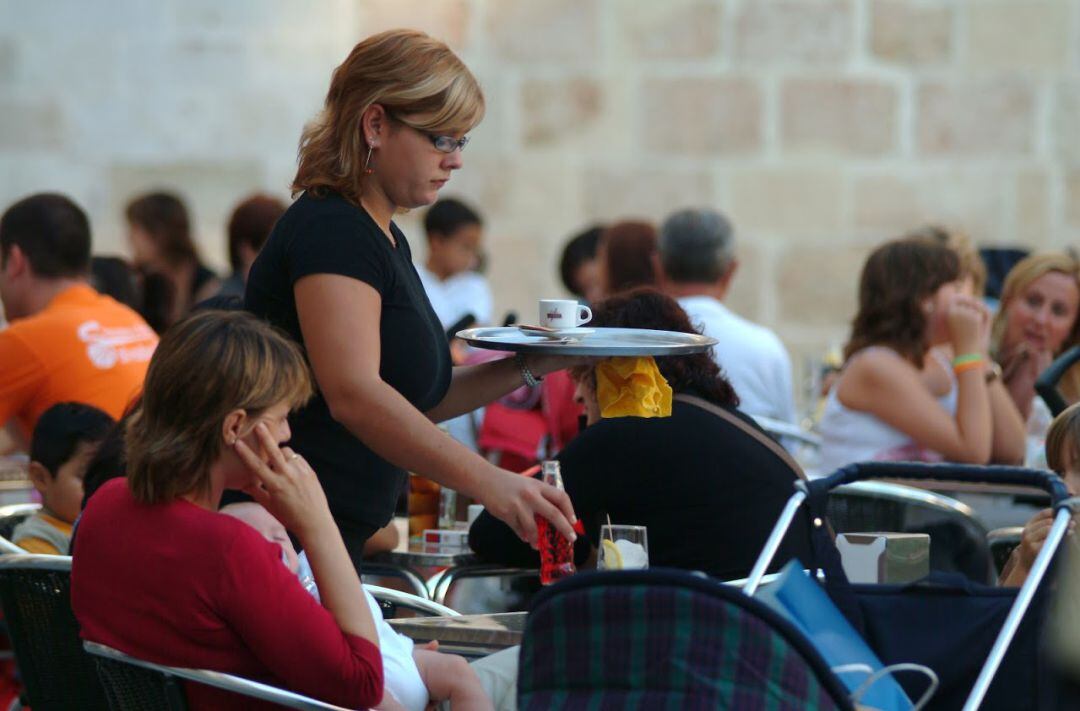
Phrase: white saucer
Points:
(558, 333)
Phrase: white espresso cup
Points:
(563, 313)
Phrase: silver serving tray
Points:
(601, 342)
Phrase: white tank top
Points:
(854, 436)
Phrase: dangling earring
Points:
(368, 170)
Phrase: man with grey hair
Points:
(697, 264)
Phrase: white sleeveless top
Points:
(854, 436)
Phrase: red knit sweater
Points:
(177, 584)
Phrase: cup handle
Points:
(584, 314)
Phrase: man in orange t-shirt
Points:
(65, 341)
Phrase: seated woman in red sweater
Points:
(160, 574)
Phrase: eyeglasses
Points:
(447, 144)
(443, 144)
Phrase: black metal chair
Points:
(10, 517)
(133, 684)
(957, 537)
(1046, 384)
(35, 592)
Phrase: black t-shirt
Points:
(708, 493)
(332, 236)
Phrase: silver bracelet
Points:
(527, 375)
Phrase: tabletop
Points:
(476, 633)
(421, 555)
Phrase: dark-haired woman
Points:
(707, 490)
(159, 231)
(911, 299)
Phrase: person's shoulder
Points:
(596, 436)
(876, 365)
(110, 497)
(324, 215)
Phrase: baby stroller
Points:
(984, 643)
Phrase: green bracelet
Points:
(967, 358)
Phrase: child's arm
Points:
(448, 676)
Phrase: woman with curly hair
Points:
(707, 489)
(910, 300)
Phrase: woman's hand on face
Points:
(1022, 365)
(968, 320)
(286, 485)
(517, 500)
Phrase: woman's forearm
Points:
(473, 386)
(973, 417)
(1010, 433)
(339, 585)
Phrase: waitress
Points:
(337, 275)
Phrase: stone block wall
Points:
(820, 126)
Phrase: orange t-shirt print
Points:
(83, 347)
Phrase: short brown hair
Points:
(251, 223)
(628, 248)
(1063, 440)
(205, 367)
(895, 280)
(416, 78)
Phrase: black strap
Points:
(823, 546)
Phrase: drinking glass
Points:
(623, 548)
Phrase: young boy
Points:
(454, 233)
(1063, 457)
(64, 441)
(414, 677)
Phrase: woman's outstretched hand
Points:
(517, 500)
(285, 484)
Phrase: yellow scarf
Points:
(632, 387)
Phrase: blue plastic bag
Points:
(802, 602)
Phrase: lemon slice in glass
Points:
(612, 555)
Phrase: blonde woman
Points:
(1036, 321)
(337, 275)
(159, 574)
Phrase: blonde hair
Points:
(1063, 440)
(1020, 277)
(971, 264)
(205, 367)
(416, 78)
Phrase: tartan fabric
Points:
(649, 646)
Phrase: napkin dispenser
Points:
(884, 557)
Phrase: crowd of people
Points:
(311, 380)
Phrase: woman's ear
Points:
(232, 428)
(373, 124)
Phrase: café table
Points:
(996, 505)
(416, 559)
(449, 565)
(468, 635)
